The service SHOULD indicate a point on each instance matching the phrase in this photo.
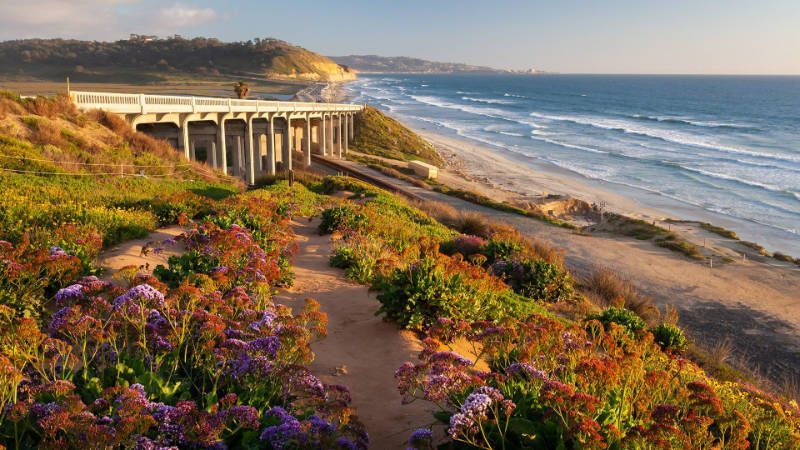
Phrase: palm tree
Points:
(241, 88)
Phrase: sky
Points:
(568, 36)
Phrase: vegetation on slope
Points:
(92, 61)
(59, 166)
(537, 377)
(378, 134)
(196, 355)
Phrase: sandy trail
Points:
(129, 253)
(361, 351)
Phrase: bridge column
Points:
(249, 151)
(308, 140)
(331, 148)
(340, 141)
(352, 126)
(238, 169)
(346, 133)
(287, 156)
(271, 146)
(185, 137)
(212, 156)
(222, 144)
(192, 152)
(323, 142)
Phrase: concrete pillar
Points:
(222, 145)
(331, 151)
(346, 133)
(323, 141)
(250, 152)
(237, 158)
(339, 128)
(271, 147)
(185, 138)
(287, 156)
(352, 126)
(212, 154)
(192, 152)
(308, 141)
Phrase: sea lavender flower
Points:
(68, 294)
(287, 430)
(266, 321)
(141, 292)
(267, 345)
(420, 439)
(59, 319)
(346, 444)
(56, 251)
(243, 415)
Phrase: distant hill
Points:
(150, 57)
(403, 64)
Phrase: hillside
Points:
(154, 59)
(58, 166)
(380, 135)
(403, 64)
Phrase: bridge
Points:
(242, 138)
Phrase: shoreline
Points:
(525, 179)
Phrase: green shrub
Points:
(183, 266)
(339, 217)
(435, 287)
(535, 278)
(501, 249)
(670, 337)
(620, 316)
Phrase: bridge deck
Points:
(147, 103)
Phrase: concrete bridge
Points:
(242, 138)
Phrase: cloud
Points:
(97, 19)
(182, 16)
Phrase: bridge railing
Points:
(147, 103)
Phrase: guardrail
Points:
(147, 103)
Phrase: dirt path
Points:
(361, 351)
(129, 253)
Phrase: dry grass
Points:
(466, 222)
(606, 287)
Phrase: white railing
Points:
(146, 103)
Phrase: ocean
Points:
(724, 149)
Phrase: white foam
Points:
(665, 135)
(490, 101)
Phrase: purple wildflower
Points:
(245, 416)
(285, 433)
(421, 438)
(268, 345)
(140, 292)
(56, 251)
(59, 319)
(68, 294)
(346, 444)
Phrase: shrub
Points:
(339, 217)
(670, 337)
(438, 286)
(466, 245)
(359, 255)
(535, 278)
(608, 288)
(621, 316)
(498, 249)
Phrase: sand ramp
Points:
(361, 351)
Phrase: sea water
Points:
(718, 148)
